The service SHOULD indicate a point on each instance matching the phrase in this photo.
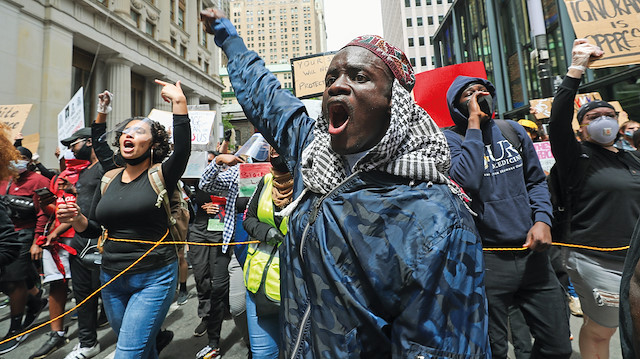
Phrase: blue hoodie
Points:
(508, 189)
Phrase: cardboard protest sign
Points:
(31, 142)
(249, 177)
(70, 119)
(613, 25)
(201, 123)
(431, 87)
(308, 74)
(14, 117)
(543, 149)
(196, 165)
(542, 107)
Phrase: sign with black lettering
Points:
(613, 25)
(14, 117)
(308, 74)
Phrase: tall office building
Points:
(279, 30)
(50, 49)
(411, 24)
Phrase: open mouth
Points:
(338, 118)
(127, 146)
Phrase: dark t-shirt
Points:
(88, 181)
(128, 210)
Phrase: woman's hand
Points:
(173, 94)
(211, 208)
(36, 252)
(582, 55)
(68, 212)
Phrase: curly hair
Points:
(8, 153)
(159, 138)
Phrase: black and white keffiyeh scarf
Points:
(413, 147)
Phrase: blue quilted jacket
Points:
(379, 267)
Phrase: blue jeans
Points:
(136, 305)
(264, 332)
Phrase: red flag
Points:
(431, 88)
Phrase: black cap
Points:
(590, 106)
(84, 132)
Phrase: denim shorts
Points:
(597, 282)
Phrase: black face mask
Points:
(485, 103)
(138, 160)
(84, 153)
(279, 164)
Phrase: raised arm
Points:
(101, 148)
(174, 166)
(276, 113)
(566, 149)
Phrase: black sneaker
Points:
(11, 344)
(201, 328)
(33, 313)
(163, 339)
(54, 343)
(182, 298)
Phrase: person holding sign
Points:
(138, 301)
(601, 199)
(381, 258)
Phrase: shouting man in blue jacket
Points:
(382, 258)
(502, 174)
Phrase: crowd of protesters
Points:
(374, 234)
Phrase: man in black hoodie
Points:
(497, 166)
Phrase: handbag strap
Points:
(9, 186)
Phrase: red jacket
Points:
(26, 185)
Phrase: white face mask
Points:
(603, 129)
(20, 165)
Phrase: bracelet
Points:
(578, 67)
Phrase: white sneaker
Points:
(83, 353)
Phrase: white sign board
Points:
(70, 119)
(201, 123)
(196, 165)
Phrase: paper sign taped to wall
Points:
(613, 25)
(14, 117)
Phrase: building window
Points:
(173, 42)
(430, 20)
(418, 3)
(137, 95)
(136, 18)
(439, 2)
(423, 61)
(421, 41)
(411, 42)
(419, 21)
(407, 3)
(430, 40)
(172, 10)
(428, 2)
(409, 22)
(183, 51)
(412, 61)
(151, 29)
(181, 11)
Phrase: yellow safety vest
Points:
(263, 261)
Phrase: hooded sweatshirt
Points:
(508, 189)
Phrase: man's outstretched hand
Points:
(216, 23)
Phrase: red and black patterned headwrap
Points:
(391, 55)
